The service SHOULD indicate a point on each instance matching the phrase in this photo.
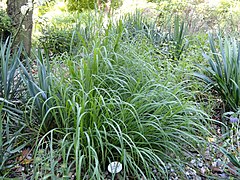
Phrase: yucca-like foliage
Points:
(179, 38)
(223, 74)
(169, 41)
(111, 105)
(18, 87)
(13, 95)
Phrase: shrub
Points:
(56, 40)
(56, 34)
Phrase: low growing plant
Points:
(231, 145)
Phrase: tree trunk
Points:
(22, 23)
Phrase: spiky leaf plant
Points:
(223, 72)
(12, 97)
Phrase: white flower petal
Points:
(24, 9)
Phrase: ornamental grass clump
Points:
(223, 73)
(114, 107)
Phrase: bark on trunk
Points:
(21, 22)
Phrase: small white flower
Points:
(24, 9)
(115, 167)
(24, 27)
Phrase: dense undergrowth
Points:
(123, 92)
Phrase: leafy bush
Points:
(56, 40)
(200, 15)
(223, 73)
(5, 25)
(56, 34)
